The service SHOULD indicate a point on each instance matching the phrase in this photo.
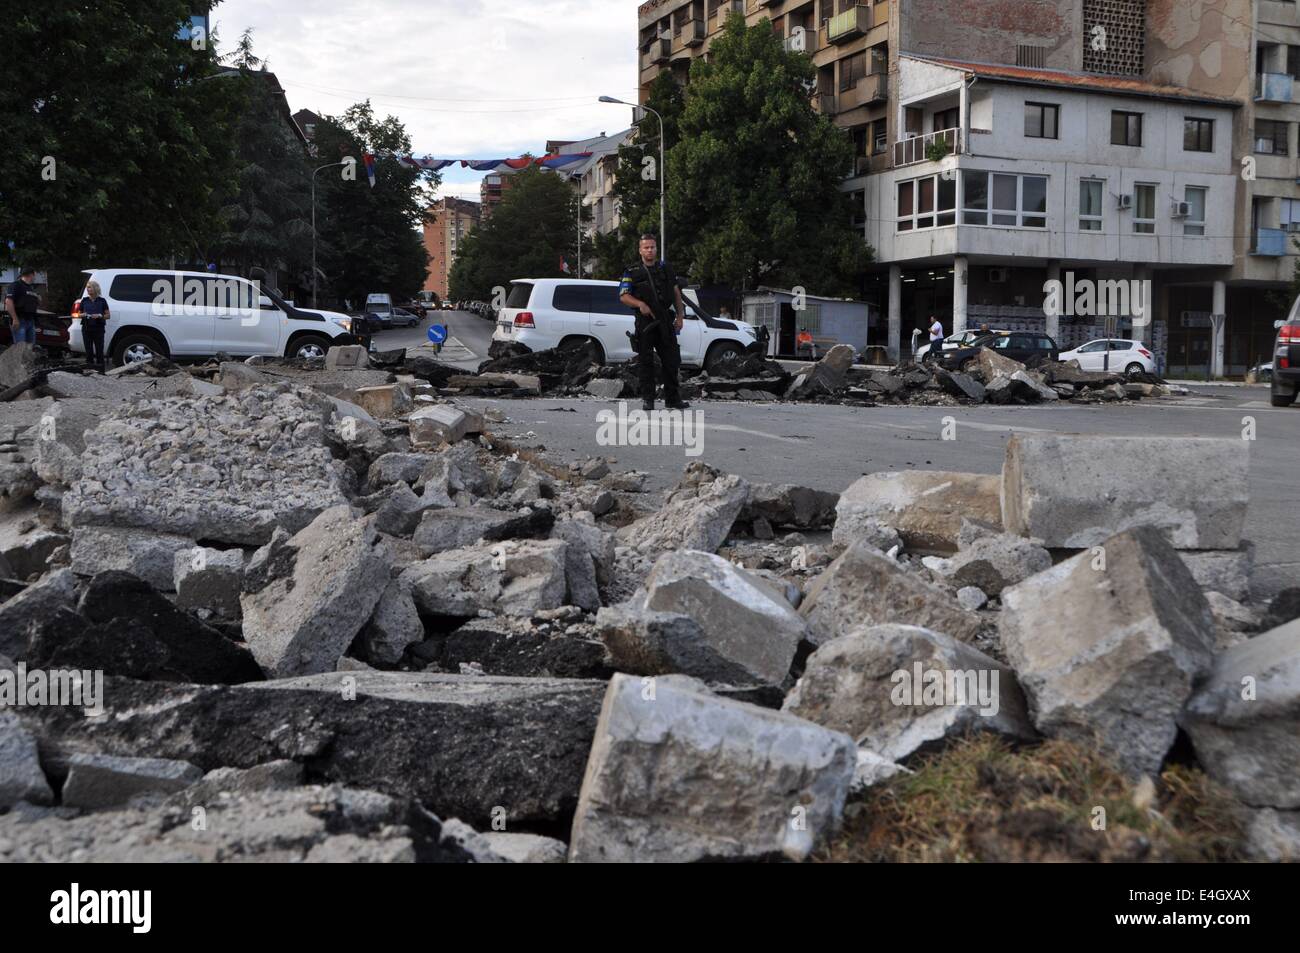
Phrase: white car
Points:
(199, 314)
(953, 341)
(544, 313)
(1114, 354)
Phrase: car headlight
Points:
(346, 325)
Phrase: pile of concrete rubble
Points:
(339, 620)
(991, 378)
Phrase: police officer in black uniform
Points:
(650, 288)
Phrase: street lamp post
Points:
(663, 228)
(313, 226)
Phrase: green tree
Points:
(753, 183)
(529, 234)
(636, 182)
(116, 137)
(369, 239)
(267, 222)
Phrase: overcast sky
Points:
(468, 79)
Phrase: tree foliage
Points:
(753, 176)
(369, 240)
(116, 142)
(528, 235)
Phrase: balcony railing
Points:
(826, 104)
(853, 22)
(927, 147)
(1269, 242)
(1273, 87)
(661, 51)
(694, 32)
(875, 88)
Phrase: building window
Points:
(879, 137)
(1041, 120)
(947, 119)
(1194, 223)
(1144, 209)
(1293, 61)
(1090, 193)
(852, 69)
(927, 202)
(1125, 128)
(1289, 215)
(1271, 137)
(1198, 135)
(998, 198)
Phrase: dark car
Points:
(51, 332)
(1286, 363)
(1028, 347)
(400, 317)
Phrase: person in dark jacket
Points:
(650, 288)
(21, 305)
(94, 321)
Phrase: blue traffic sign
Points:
(437, 333)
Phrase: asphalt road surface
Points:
(467, 342)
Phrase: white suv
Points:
(544, 313)
(198, 314)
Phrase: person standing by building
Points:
(94, 320)
(21, 304)
(650, 288)
(936, 338)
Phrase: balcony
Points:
(661, 51)
(872, 88)
(929, 147)
(826, 104)
(694, 32)
(852, 23)
(1273, 88)
(1269, 243)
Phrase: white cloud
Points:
(467, 78)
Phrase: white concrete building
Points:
(1006, 177)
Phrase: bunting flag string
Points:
(555, 160)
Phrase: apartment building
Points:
(594, 179)
(450, 220)
(1038, 90)
(490, 192)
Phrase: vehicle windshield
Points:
(984, 340)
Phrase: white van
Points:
(198, 314)
(544, 313)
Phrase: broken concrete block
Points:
(150, 556)
(589, 560)
(443, 529)
(307, 597)
(17, 364)
(346, 357)
(744, 619)
(1108, 650)
(21, 777)
(826, 376)
(789, 506)
(394, 627)
(926, 507)
(1273, 836)
(42, 599)
(209, 579)
(960, 385)
(394, 468)
(236, 376)
(677, 774)
(699, 522)
(1245, 720)
(994, 562)
(123, 626)
(863, 587)
(899, 689)
(990, 364)
(385, 401)
(643, 642)
(442, 423)
(1223, 570)
(1076, 491)
(60, 438)
(972, 597)
(98, 781)
(606, 388)
(525, 848)
(872, 769)
(401, 512)
(516, 578)
(27, 552)
(465, 746)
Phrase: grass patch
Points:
(980, 800)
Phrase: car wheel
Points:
(309, 347)
(577, 344)
(1279, 397)
(721, 354)
(1134, 368)
(134, 348)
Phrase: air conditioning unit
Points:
(1182, 209)
(998, 276)
(1125, 201)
